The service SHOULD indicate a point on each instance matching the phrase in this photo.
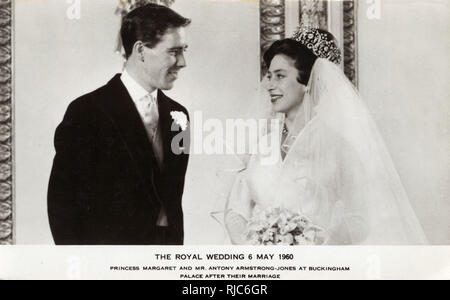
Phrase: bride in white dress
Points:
(333, 166)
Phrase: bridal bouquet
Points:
(279, 226)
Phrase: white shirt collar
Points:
(136, 91)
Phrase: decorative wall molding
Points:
(314, 13)
(272, 24)
(350, 40)
(6, 184)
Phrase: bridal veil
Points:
(348, 165)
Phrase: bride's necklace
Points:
(285, 130)
(284, 147)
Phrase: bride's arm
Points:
(236, 226)
(238, 211)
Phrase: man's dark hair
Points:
(148, 24)
(303, 57)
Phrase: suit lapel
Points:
(167, 134)
(123, 113)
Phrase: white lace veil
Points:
(348, 166)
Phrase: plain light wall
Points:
(58, 60)
(404, 75)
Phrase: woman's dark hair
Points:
(303, 57)
(148, 24)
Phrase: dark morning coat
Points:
(105, 186)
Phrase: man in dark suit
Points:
(118, 174)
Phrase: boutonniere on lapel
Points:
(180, 119)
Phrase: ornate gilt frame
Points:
(350, 40)
(6, 131)
(272, 25)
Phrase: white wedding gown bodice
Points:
(264, 184)
(270, 181)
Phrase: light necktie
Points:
(150, 115)
(151, 121)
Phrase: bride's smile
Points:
(275, 97)
(286, 92)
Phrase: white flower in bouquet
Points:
(287, 239)
(268, 235)
(279, 226)
(289, 227)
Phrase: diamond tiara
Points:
(319, 43)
